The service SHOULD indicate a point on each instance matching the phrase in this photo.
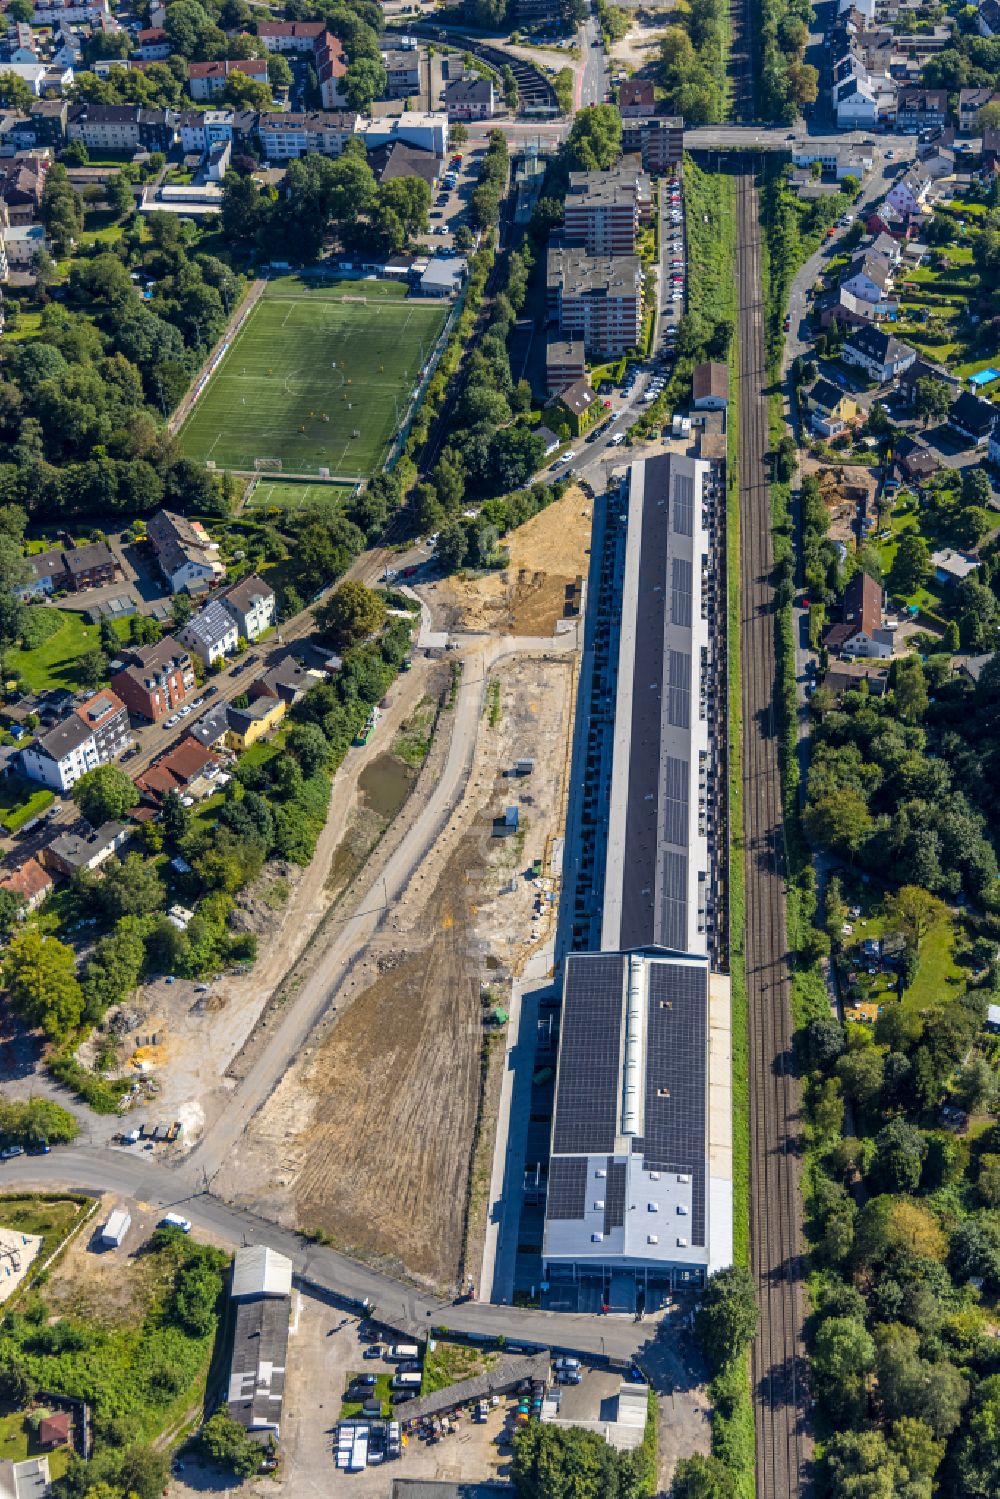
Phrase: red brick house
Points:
(155, 678)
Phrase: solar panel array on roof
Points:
(567, 1192)
(673, 899)
(683, 504)
(642, 746)
(589, 1054)
(614, 1196)
(676, 1052)
(675, 801)
(679, 693)
(680, 592)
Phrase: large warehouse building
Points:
(262, 1296)
(640, 1172)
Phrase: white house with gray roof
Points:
(212, 633)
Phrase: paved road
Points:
(799, 341)
(592, 73)
(136, 1176)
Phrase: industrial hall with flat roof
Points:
(640, 1181)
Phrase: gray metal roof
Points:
(506, 1374)
(257, 1369)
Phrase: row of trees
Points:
(786, 84)
(500, 15)
(970, 60)
(900, 1346)
(321, 194)
(903, 1212)
(493, 172)
(693, 62)
(882, 795)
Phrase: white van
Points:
(406, 1381)
(174, 1220)
(402, 1352)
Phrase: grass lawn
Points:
(414, 738)
(308, 370)
(204, 815)
(28, 324)
(939, 977)
(448, 1363)
(900, 522)
(943, 295)
(35, 1213)
(21, 800)
(289, 495)
(381, 1390)
(101, 227)
(55, 662)
(265, 749)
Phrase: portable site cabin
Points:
(114, 1231)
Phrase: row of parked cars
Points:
(405, 1382)
(678, 268)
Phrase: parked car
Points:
(566, 1363)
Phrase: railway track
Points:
(778, 1355)
(775, 1124)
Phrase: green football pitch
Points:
(295, 494)
(315, 379)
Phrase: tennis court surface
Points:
(315, 378)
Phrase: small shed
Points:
(55, 1430)
(507, 824)
(114, 1231)
(993, 1019)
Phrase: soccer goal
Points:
(362, 300)
(267, 465)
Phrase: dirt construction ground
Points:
(369, 1134)
(638, 51)
(547, 556)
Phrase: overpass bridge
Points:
(764, 137)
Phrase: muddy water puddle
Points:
(385, 785)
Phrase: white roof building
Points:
(260, 1271)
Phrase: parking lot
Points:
(451, 196)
